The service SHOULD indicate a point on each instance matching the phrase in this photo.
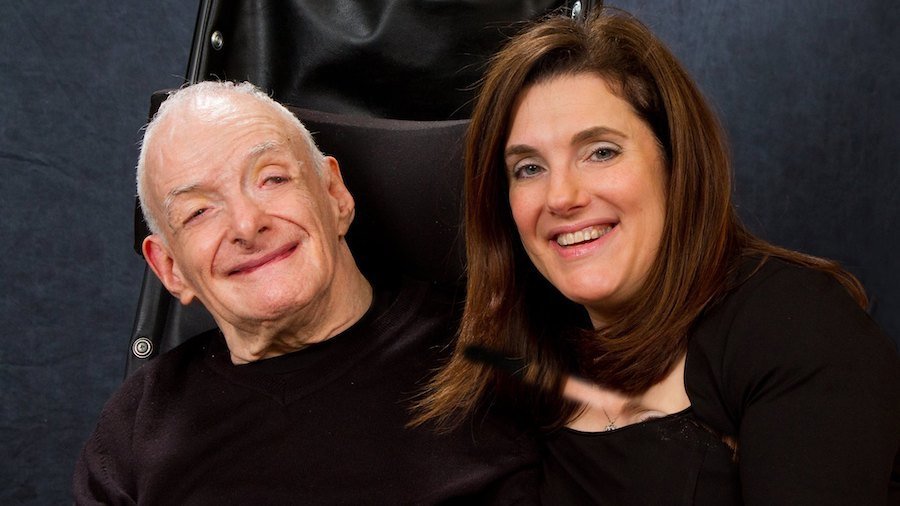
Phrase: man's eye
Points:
(276, 180)
(194, 215)
(527, 170)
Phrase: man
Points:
(302, 394)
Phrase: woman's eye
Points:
(604, 153)
(527, 170)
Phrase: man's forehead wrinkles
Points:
(251, 156)
(242, 161)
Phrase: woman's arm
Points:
(814, 387)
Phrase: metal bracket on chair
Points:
(581, 8)
(149, 322)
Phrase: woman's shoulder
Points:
(779, 311)
(759, 278)
(779, 303)
(782, 327)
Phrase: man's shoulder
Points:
(148, 386)
(432, 299)
(169, 367)
(412, 305)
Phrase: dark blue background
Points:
(809, 92)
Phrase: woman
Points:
(603, 245)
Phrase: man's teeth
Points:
(587, 234)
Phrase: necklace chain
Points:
(612, 422)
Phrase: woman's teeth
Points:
(584, 235)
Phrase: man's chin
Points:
(263, 311)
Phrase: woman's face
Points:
(587, 190)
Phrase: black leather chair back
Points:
(384, 86)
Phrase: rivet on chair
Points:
(142, 347)
(576, 10)
(217, 40)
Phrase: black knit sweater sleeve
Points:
(806, 383)
(103, 472)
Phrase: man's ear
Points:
(163, 264)
(345, 207)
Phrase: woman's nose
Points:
(565, 193)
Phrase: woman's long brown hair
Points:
(511, 309)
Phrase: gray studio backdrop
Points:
(809, 92)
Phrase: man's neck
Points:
(346, 301)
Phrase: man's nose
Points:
(565, 193)
(248, 220)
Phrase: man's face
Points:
(248, 225)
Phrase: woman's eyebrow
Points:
(593, 132)
(518, 149)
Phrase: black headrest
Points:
(406, 177)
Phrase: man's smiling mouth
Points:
(252, 265)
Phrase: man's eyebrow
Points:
(175, 192)
(262, 148)
(169, 200)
